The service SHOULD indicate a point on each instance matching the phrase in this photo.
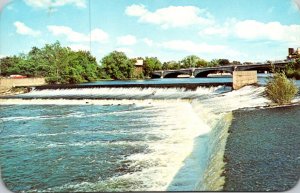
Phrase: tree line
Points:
(56, 63)
(61, 65)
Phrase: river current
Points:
(133, 140)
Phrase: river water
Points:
(133, 140)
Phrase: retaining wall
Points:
(7, 83)
(243, 78)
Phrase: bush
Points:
(280, 89)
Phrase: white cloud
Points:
(22, 29)
(251, 29)
(43, 4)
(172, 16)
(148, 42)
(71, 35)
(255, 30)
(96, 35)
(136, 10)
(127, 40)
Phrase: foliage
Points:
(116, 65)
(12, 65)
(189, 61)
(58, 64)
(236, 62)
(193, 61)
(293, 69)
(171, 65)
(224, 62)
(151, 64)
(280, 89)
(213, 63)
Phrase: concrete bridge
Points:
(204, 72)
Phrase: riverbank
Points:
(262, 150)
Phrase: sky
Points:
(243, 30)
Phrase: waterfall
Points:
(191, 128)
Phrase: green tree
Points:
(224, 62)
(58, 64)
(171, 65)
(151, 64)
(236, 62)
(189, 61)
(10, 65)
(292, 69)
(213, 63)
(201, 63)
(116, 65)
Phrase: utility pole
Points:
(90, 26)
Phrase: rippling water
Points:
(151, 139)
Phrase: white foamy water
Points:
(125, 93)
(184, 121)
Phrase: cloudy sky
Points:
(243, 30)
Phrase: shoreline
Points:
(262, 149)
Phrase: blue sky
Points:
(243, 30)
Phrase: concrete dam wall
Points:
(7, 83)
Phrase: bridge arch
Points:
(175, 74)
(155, 75)
(205, 73)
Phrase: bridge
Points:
(204, 72)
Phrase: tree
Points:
(224, 62)
(202, 63)
(193, 61)
(151, 64)
(117, 66)
(292, 69)
(82, 67)
(213, 63)
(10, 65)
(171, 65)
(58, 64)
(236, 62)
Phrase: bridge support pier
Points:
(192, 75)
(162, 74)
(243, 78)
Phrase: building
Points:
(293, 54)
(138, 68)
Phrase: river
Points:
(133, 140)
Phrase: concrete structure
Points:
(8, 83)
(243, 78)
(293, 54)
